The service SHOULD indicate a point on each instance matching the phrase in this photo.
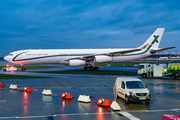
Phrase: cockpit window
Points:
(10, 55)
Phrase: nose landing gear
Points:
(23, 68)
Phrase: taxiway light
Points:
(115, 106)
(2, 84)
(66, 95)
(84, 98)
(103, 102)
(47, 92)
(14, 87)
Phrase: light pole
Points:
(165, 54)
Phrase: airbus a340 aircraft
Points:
(87, 57)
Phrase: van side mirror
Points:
(146, 86)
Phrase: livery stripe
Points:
(52, 56)
(155, 40)
(18, 55)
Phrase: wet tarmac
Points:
(22, 105)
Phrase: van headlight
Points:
(131, 93)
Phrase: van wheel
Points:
(144, 75)
(117, 96)
(147, 102)
(127, 100)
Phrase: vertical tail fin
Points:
(154, 39)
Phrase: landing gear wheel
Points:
(23, 69)
(127, 100)
(96, 68)
(86, 67)
(91, 68)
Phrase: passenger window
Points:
(123, 85)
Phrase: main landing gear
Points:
(91, 68)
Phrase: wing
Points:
(160, 50)
(113, 54)
(118, 53)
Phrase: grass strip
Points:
(3, 76)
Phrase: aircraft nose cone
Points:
(7, 58)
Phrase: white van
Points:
(132, 89)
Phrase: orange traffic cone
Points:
(103, 102)
(1, 84)
(66, 95)
(28, 89)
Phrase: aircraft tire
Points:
(86, 67)
(96, 68)
(23, 69)
(91, 68)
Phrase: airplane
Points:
(89, 58)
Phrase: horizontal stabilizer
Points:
(160, 50)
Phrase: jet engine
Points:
(103, 58)
(74, 63)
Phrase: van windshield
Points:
(135, 84)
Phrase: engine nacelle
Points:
(103, 58)
(74, 63)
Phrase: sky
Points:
(78, 24)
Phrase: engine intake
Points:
(74, 63)
(103, 58)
